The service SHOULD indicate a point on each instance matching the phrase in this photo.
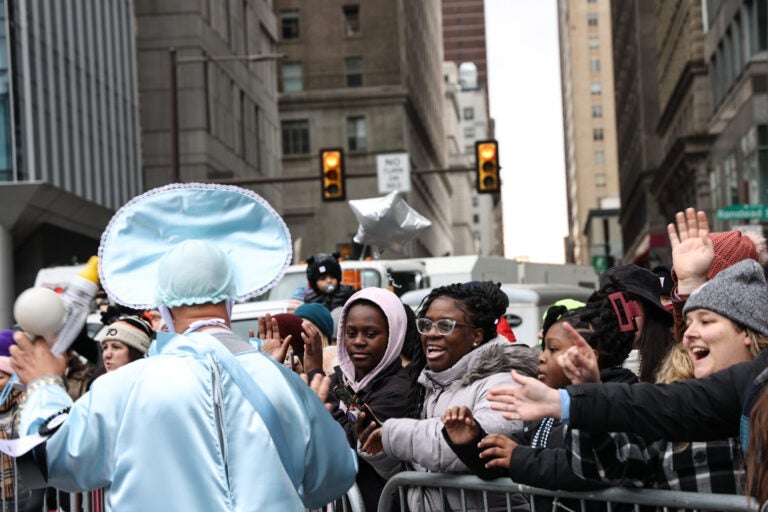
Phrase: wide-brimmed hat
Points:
(238, 222)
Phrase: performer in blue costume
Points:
(205, 422)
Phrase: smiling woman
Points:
(465, 359)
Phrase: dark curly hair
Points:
(656, 338)
(482, 303)
(612, 345)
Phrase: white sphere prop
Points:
(39, 311)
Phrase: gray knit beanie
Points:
(738, 293)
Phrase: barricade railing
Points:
(398, 486)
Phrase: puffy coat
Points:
(420, 443)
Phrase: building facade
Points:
(225, 92)
(643, 228)
(464, 35)
(69, 132)
(736, 55)
(592, 188)
(366, 78)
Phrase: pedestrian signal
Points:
(487, 166)
(332, 167)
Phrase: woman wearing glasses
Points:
(465, 359)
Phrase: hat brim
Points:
(238, 221)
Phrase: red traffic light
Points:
(487, 166)
(332, 174)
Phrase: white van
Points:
(527, 305)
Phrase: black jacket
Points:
(691, 410)
(333, 300)
(387, 396)
(545, 466)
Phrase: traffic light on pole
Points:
(487, 166)
(332, 167)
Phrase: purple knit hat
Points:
(6, 340)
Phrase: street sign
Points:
(394, 172)
(743, 212)
(600, 263)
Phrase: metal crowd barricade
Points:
(352, 501)
(663, 500)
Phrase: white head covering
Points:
(394, 311)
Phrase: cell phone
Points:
(355, 405)
(289, 360)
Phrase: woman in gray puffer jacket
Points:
(465, 359)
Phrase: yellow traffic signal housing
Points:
(332, 169)
(487, 166)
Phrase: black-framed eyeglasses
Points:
(444, 326)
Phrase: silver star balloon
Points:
(387, 222)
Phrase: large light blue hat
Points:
(186, 244)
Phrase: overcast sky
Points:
(524, 83)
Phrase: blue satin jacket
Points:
(175, 432)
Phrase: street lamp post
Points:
(177, 61)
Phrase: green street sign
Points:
(600, 263)
(743, 212)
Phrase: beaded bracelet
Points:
(45, 381)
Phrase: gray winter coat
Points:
(420, 443)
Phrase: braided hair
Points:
(656, 338)
(482, 304)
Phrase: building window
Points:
(469, 113)
(599, 157)
(356, 139)
(289, 22)
(591, 1)
(475, 201)
(469, 132)
(476, 218)
(594, 42)
(592, 19)
(354, 66)
(351, 19)
(596, 89)
(600, 180)
(597, 134)
(597, 111)
(295, 137)
(292, 77)
(594, 65)
(469, 149)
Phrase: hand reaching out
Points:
(498, 448)
(364, 432)
(273, 346)
(579, 363)
(321, 385)
(531, 400)
(313, 346)
(460, 425)
(692, 249)
(32, 359)
(373, 445)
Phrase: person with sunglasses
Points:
(465, 358)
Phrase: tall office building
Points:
(226, 126)
(592, 187)
(464, 35)
(365, 77)
(69, 131)
(636, 91)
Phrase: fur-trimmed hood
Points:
(495, 356)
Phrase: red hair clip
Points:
(626, 311)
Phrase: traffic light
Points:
(487, 166)
(332, 168)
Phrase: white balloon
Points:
(39, 311)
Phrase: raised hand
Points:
(531, 400)
(321, 385)
(579, 363)
(460, 424)
(32, 359)
(313, 346)
(692, 249)
(273, 345)
(364, 432)
(498, 448)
